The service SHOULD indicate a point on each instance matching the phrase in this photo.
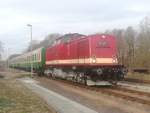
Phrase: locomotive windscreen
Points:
(103, 44)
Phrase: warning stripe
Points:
(84, 61)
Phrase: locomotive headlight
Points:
(114, 60)
(93, 59)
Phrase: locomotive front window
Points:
(103, 44)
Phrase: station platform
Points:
(60, 103)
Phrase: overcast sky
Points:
(64, 16)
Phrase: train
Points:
(90, 60)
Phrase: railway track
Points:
(131, 95)
(116, 91)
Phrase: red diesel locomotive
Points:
(91, 60)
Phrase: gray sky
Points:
(64, 16)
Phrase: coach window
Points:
(28, 59)
(39, 56)
(35, 57)
(32, 57)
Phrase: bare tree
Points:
(143, 44)
(121, 45)
(129, 37)
(49, 40)
(34, 43)
(133, 46)
(1, 49)
(13, 56)
(44, 43)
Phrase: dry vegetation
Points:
(134, 44)
(139, 76)
(15, 98)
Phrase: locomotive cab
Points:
(103, 50)
(104, 66)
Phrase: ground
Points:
(15, 98)
(13, 94)
(99, 102)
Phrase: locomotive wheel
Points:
(85, 80)
(114, 82)
(81, 78)
(53, 75)
(74, 78)
(50, 75)
(78, 78)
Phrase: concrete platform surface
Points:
(60, 103)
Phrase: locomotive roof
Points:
(67, 38)
(74, 36)
(70, 36)
(26, 54)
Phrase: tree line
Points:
(1, 50)
(134, 45)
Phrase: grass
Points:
(15, 98)
(5, 103)
(139, 76)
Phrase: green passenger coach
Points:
(36, 57)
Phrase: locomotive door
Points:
(82, 51)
